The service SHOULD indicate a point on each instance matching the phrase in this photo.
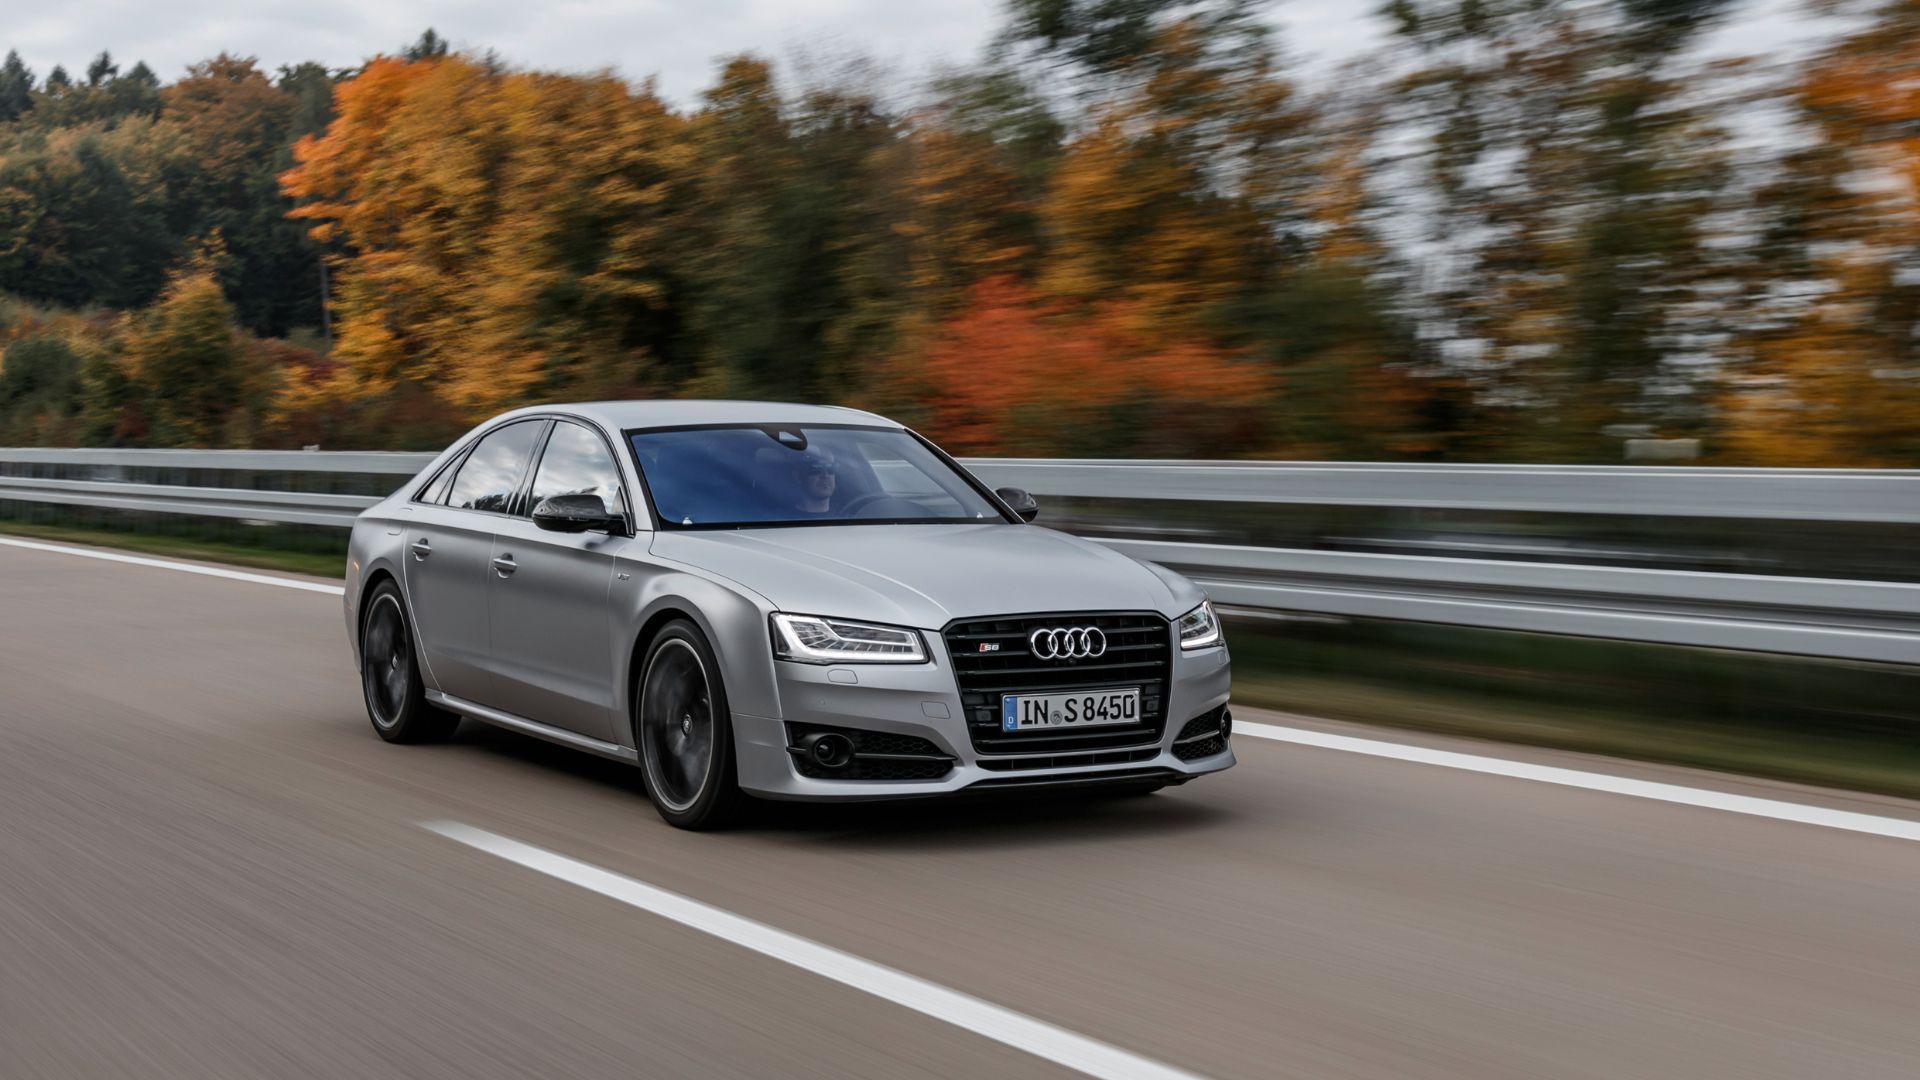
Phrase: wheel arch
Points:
(733, 624)
(376, 574)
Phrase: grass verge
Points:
(1830, 723)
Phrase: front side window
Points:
(577, 463)
(734, 477)
(491, 474)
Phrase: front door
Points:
(554, 649)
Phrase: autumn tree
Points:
(794, 269)
(1568, 183)
(501, 233)
(976, 163)
(1834, 376)
(1176, 189)
(239, 126)
(186, 359)
(39, 391)
(106, 95)
(85, 211)
(1017, 373)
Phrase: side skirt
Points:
(533, 727)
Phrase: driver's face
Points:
(818, 475)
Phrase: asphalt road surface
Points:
(211, 867)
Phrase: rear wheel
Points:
(390, 674)
(684, 731)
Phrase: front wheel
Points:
(684, 731)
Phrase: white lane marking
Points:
(1872, 824)
(1036, 1037)
(169, 564)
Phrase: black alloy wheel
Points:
(685, 731)
(390, 674)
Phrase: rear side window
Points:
(492, 473)
(437, 490)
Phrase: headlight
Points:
(1199, 628)
(811, 639)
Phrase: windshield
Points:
(729, 477)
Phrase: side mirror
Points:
(577, 513)
(1019, 502)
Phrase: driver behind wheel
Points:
(815, 476)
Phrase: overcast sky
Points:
(676, 40)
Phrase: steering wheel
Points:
(859, 502)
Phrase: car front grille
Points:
(1139, 653)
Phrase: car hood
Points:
(928, 575)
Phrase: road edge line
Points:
(169, 564)
(1750, 805)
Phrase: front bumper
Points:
(923, 701)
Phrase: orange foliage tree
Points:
(1170, 197)
(1017, 373)
(501, 232)
(1839, 383)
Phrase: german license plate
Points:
(1079, 709)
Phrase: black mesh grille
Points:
(910, 756)
(1138, 654)
(1201, 736)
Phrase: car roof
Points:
(622, 415)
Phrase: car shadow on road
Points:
(966, 822)
(956, 822)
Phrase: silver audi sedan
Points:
(782, 601)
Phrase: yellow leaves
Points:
(500, 227)
(964, 201)
(1160, 202)
(1840, 386)
(1829, 392)
(1867, 96)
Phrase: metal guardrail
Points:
(1857, 620)
(1865, 495)
(1850, 620)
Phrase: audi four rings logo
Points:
(1067, 643)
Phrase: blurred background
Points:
(1671, 233)
(1491, 230)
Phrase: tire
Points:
(684, 731)
(390, 673)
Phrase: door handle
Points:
(505, 565)
(421, 549)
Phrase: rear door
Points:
(449, 547)
(553, 642)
